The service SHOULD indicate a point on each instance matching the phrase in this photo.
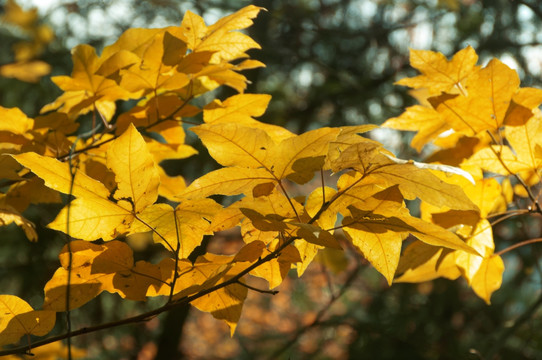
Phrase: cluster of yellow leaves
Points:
(484, 122)
(36, 37)
(115, 177)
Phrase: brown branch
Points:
(520, 244)
(272, 292)
(319, 316)
(150, 314)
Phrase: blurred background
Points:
(329, 63)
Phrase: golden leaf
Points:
(439, 74)
(85, 91)
(182, 227)
(488, 278)
(18, 319)
(135, 172)
(232, 180)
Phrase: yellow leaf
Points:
(28, 71)
(220, 38)
(314, 203)
(275, 270)
(182, 227)
(194, 29)
(421, 262)
(426, 121)
(524, 139)
(489, 94)
(155, 71)
(96, 268)
(135, 172)
(92, 214)
(18, 319)
(488, 278)
(235, 145)
(227, 181)
(378, 225)
(9, 215)
(297, 158)
(85, 91)
(522, 106)
(377, 242)
(492, 158)
(481, 239)
(15, 121)
(307, 252)
(225, 303)
(439, 74)
(241, 109)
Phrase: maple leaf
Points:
(422, 262)
(241, 109)
(97, 268)
(439, 74)
(484, 106)
(93, 214)
(488, 278)
(378, 225)
(86, 91)
(181, 229)
(220, 38)
(425, 120)
(413, 181)
(19, 319)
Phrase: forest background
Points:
(328, 63)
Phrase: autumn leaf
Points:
(484, 106)
(10, 215)
(97, 268)
(241, 109)
(439, 74)
(488, 278)
(181, 229)
(422, 262)
(135, 172)
(231, 144)
(93, 214)
(231, 180)
(19, 319)
(86, 91)
(220, 38)
(426, 121)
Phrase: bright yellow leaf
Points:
(135, 172)
(439, 74)
(86, 91)
(488, 278)
(182, 227)
(485, 104)
(19, 319)
(426, 121)
(227, 181)
(235, 145)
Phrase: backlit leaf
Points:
(19, 319)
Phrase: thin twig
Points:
(272, 292)
(318, 317)
(520, 244)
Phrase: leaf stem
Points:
(272, 292)
(520, 244)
